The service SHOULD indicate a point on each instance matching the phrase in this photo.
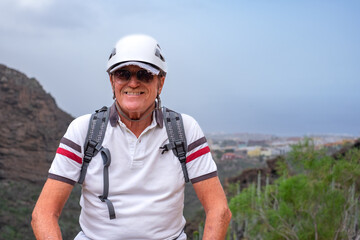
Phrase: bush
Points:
(317, 197)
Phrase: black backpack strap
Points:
(177, 139)
(94, 138)
(93, 145)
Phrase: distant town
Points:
(228, 147)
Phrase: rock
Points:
(31, 126)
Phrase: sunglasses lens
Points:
(123, 75)
(141, 75)
(144, 76)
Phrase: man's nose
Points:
(133, 82)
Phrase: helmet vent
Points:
(112, 53)
(159, 55)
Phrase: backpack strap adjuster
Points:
(105, 154)
(90, 150)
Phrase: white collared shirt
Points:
(145, 186)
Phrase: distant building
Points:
(266, 152)
(242, 144)
(261, 143)
(228, 156)
(241, 152)
(214, 146)
(280, 150)
(254, 151)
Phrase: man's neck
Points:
(137, 126)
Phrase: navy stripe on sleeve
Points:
(71, 144)
(61, 179)
(204, 177)
(196, 143)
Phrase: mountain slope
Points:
(31, 126)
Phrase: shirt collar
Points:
(114, 116)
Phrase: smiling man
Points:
(141, 193)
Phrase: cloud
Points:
(35, 5)
(34, 17)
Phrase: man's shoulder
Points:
(79, 125)
(190, 123)
(187, 118)
(81, 120)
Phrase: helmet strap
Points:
(158, 106)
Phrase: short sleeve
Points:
(67, 163)
(199, 161)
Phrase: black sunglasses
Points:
(125, 75)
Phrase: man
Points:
(146, 185)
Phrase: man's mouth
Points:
(133, 93)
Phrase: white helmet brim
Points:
(143, 65)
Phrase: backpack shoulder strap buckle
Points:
(94, 138)
(177, 139)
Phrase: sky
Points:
(257, 66)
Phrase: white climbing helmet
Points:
(137, 50)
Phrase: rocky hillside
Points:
(31, 126)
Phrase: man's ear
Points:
(112, 85)
(111, 79)
(160, 84)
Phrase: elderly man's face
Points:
(135, 96)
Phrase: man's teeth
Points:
(133, 93)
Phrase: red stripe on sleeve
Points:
(197, 154)
(69, 154)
